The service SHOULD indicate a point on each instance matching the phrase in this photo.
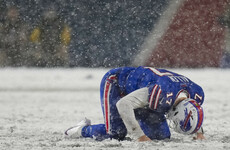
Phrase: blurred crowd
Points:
(225, 21)
(44, 44)
(74, 33)
(40, 33)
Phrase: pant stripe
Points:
(107, 89)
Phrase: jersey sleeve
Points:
(154, 97)
(196, 93)
(159, 100)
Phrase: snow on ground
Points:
(37, 105)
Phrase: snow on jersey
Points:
(164, 86)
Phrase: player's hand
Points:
(143, 139)
(199, 136)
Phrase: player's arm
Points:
(126, 106)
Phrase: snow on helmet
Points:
(187, 117)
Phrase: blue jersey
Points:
(164, 86)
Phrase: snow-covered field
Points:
(37, 105)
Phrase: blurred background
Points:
(114, 33)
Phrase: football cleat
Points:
(75, 131)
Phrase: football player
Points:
(137, 101)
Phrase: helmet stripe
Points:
(200, 115)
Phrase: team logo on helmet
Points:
(185, 124)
